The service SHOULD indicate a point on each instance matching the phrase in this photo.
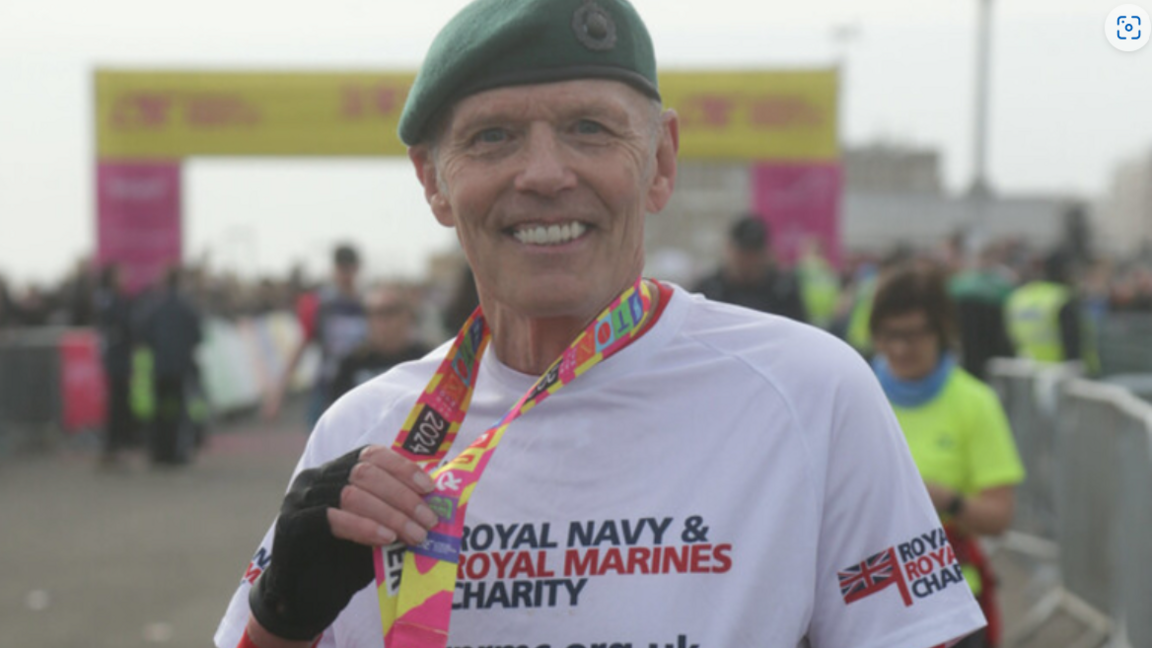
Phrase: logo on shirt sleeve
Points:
(257, 566)
(918, 569)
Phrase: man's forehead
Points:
(583, 96)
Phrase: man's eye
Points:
(491, 136)
(588, 127)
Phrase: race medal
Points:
(416, 585)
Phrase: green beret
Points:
(495, 43)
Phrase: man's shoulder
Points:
(780, 349)
(725, 323)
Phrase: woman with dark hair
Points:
(954, 424)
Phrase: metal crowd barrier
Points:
(40, 397)
(1028, 393)
(1085, 508)
(1123, 343)
(29, 385)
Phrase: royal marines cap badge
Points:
(594, 27)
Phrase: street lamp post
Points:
(980, 186)
(843, 35)
(980, 192)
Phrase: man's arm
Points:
(877, 514)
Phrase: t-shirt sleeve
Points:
(991, 449)
(319, 450)
(886, 577)
(231, 627)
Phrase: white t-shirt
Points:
(730, 479)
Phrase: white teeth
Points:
(550, 235)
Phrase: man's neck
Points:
(531, 345)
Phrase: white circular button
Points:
(1128, 28)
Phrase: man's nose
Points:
(546, 167)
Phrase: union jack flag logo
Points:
(873, 575)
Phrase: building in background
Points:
(686, 239)
(892, 195)
(1125, 217)
(885, 168)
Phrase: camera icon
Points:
(1127, 28)
(1125, 25)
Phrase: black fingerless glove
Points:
(313, 574)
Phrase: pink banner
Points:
(138, 218)
(800, 202)
(82, 386)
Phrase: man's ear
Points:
(664, 176)
(426, 173)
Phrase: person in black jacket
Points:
(114, 321)
(171, 329)
(979, 294)
(750, 276)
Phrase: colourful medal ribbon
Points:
(415, 586)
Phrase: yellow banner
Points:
(180, 114)
(733, 115)
(755, 115)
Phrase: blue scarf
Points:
(913, 393)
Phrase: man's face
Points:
(547, 186)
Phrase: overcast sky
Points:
(1067, 108)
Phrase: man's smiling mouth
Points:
(554, 234)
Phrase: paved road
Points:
(147, 558)
(139, 557)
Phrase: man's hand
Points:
(384, 501)
(331, 518)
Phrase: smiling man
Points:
(598, 458)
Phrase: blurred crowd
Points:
(71, 301)
(149, 337)
(362, 328)
(1107, 284)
